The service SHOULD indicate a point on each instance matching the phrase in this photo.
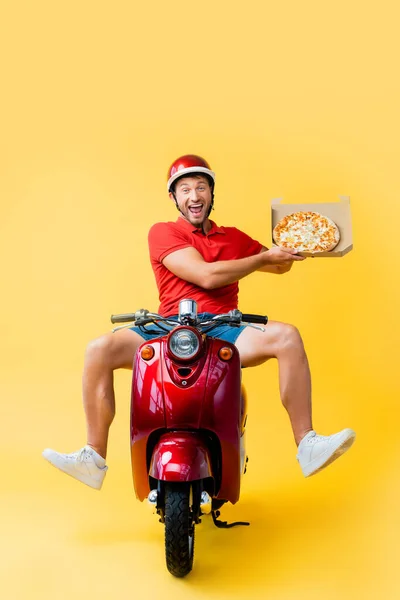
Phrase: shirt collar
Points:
(188, 226)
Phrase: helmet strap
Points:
(211, 205)
(176, 203)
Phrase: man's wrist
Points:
(267, 257)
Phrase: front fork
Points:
(198, 500)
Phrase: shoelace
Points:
(82, 455)
(315, 439)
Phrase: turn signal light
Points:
(147, 352)
(225, 353)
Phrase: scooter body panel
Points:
(203, 396)
(180, 456)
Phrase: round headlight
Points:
(184, 343)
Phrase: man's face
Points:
(194, 196)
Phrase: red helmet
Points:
(189, 163)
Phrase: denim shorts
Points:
(228, 333)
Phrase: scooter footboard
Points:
(180, 456)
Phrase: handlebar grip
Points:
(123, 318)
(254, 319)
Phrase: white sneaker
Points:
(84, 465)
(315, 452)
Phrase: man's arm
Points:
(188, 264)
(276, 269)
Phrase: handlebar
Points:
(254, 319)
(127, 318)
(141, 315)
(234, 317)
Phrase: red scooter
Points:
(188, 416)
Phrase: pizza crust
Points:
(306, 232)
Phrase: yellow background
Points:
(292, 99)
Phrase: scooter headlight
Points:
(184, 343)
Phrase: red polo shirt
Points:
(220, 243)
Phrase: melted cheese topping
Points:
(306, 231)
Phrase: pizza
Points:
(306, 232)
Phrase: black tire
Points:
(179, 529)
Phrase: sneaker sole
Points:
(96, 485)
(322, 463)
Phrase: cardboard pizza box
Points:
(339, 212)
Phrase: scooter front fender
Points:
(180, 456)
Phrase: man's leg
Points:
(103, 355)
(284, 342)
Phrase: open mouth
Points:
(196, 209)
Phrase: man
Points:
(194, 258)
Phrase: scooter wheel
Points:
(179, 529)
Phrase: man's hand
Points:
(278, 260)
(281, 256)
